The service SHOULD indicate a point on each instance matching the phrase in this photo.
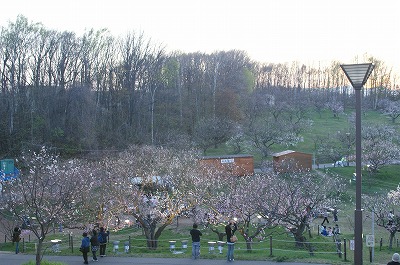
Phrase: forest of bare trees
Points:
(97, 91)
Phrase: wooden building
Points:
(234, 165)
(292, 161)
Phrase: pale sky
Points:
(276, 31)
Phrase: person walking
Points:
(325, 218)
(16, 237)
(103, 238)
(195, 233)
(395, 259)
(85, 246)
(230, 230)
(94, 244)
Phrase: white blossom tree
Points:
(383, 207)
(379, 146)
(155, 185)
(48, 191)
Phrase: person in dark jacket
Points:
(395, 259)
(16, 237)
(85, 246)
(94, 244)
(195, 233)
(103, 238)
(230, 230)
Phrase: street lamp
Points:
(358, 75)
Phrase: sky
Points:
(270, 31)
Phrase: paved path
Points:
(12, 259)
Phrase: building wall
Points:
(295, 161)
(234, 165)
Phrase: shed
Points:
(292, 161)
(234, 165)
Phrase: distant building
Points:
(292, 161)
(234, 165)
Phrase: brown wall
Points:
(295, 161)
(234, 166)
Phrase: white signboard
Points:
(351, 244)
(227, 161)
(370, 240)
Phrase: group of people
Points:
(97, 241)
(329, 231)
(230, 230)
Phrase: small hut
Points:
(234, 165)
(292, 161)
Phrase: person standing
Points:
(195, 233)
(230, 230)
(16, 237)
(94, 243)
(395, 259)
(335, 217)
(85, 246)
(103, 238)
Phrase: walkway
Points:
(12, 259)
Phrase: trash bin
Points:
(184, 245)
(172, 245)
(126, 246)
(115, 246)
(211, 245)
(220, 246)
(55, 245)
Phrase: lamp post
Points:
(358, 75)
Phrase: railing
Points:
(129, 245)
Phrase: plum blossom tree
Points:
(303, 193)
(155, 185)
(47, 191)
(382, 206)
(285, 200)
(379, 146)
(246, 199)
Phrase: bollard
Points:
(270, 246)
(72, 244)
(345, 250)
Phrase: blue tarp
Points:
(9, 176)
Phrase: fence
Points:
(129, 245)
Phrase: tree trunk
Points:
(249, 245)
(39, 251)
(152, 241)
